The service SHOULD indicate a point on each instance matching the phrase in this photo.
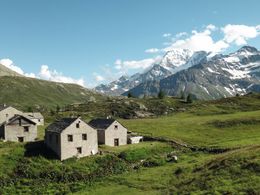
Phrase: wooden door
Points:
(116, 142)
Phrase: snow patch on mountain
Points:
(176, 58)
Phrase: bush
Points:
(189, 99)
(130, 95)
(132, 156)
(154, 161)
(161, 94)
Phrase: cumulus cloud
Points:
(181, 34)
(199, 41)
(9, 64)
(136, 64)
(211, 27)
(45, 73)
(203, 40)
(52, 75)
(98, 78)
(32, 75)
(152, 50)
(167, 35)
(239, 34)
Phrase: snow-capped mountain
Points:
(172, 62)
(221, 76)
(125, 83)
(176, 58)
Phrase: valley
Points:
(219, 140)
(130, 97)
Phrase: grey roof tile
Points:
(101, 124)
(59, 125)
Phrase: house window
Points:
(20, 122)
(39, 120)
(56, 139)
(84, 136)
(20, 139)
(50, 137)
(77, 125)
(26, 129)
(116, 127)
(79, 150)
(6, 115)
(70, 138)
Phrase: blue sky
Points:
(90, 41)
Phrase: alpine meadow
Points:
(132, 97)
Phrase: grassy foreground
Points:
(236, 172)
(32, 169)
(149, 168)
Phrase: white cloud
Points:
(181, 34)
(53, 75)
(239, 34)
(9, 64)
(32, 75)
(167, 35)
(98, 78)
(198, 41)
(45, 73)
(203, 40)
(211, 27)
(152, 50)
(141, 64)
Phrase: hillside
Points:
(4, 71)
(220, 154)
(24, 92)
(235, 172)
(151, 107)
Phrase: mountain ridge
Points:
(221, 76)
(172, 62)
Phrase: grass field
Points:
(148, 168)
(236, 172)
(203, 130)
(31, 169)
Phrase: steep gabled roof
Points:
(32, 115)
(3, 107)
(59, 125)
(101, 124)
(17, 116)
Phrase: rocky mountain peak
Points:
(249, 49)
(175, 58)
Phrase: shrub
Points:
(130, 95)
(154, 161)
(161, 94)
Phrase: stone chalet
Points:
(71, 137)
(110, 132)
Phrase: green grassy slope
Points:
(241, 128)
(235, 172)
(31, 169)
(25, 92)
(146, 168)
(225, 123)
